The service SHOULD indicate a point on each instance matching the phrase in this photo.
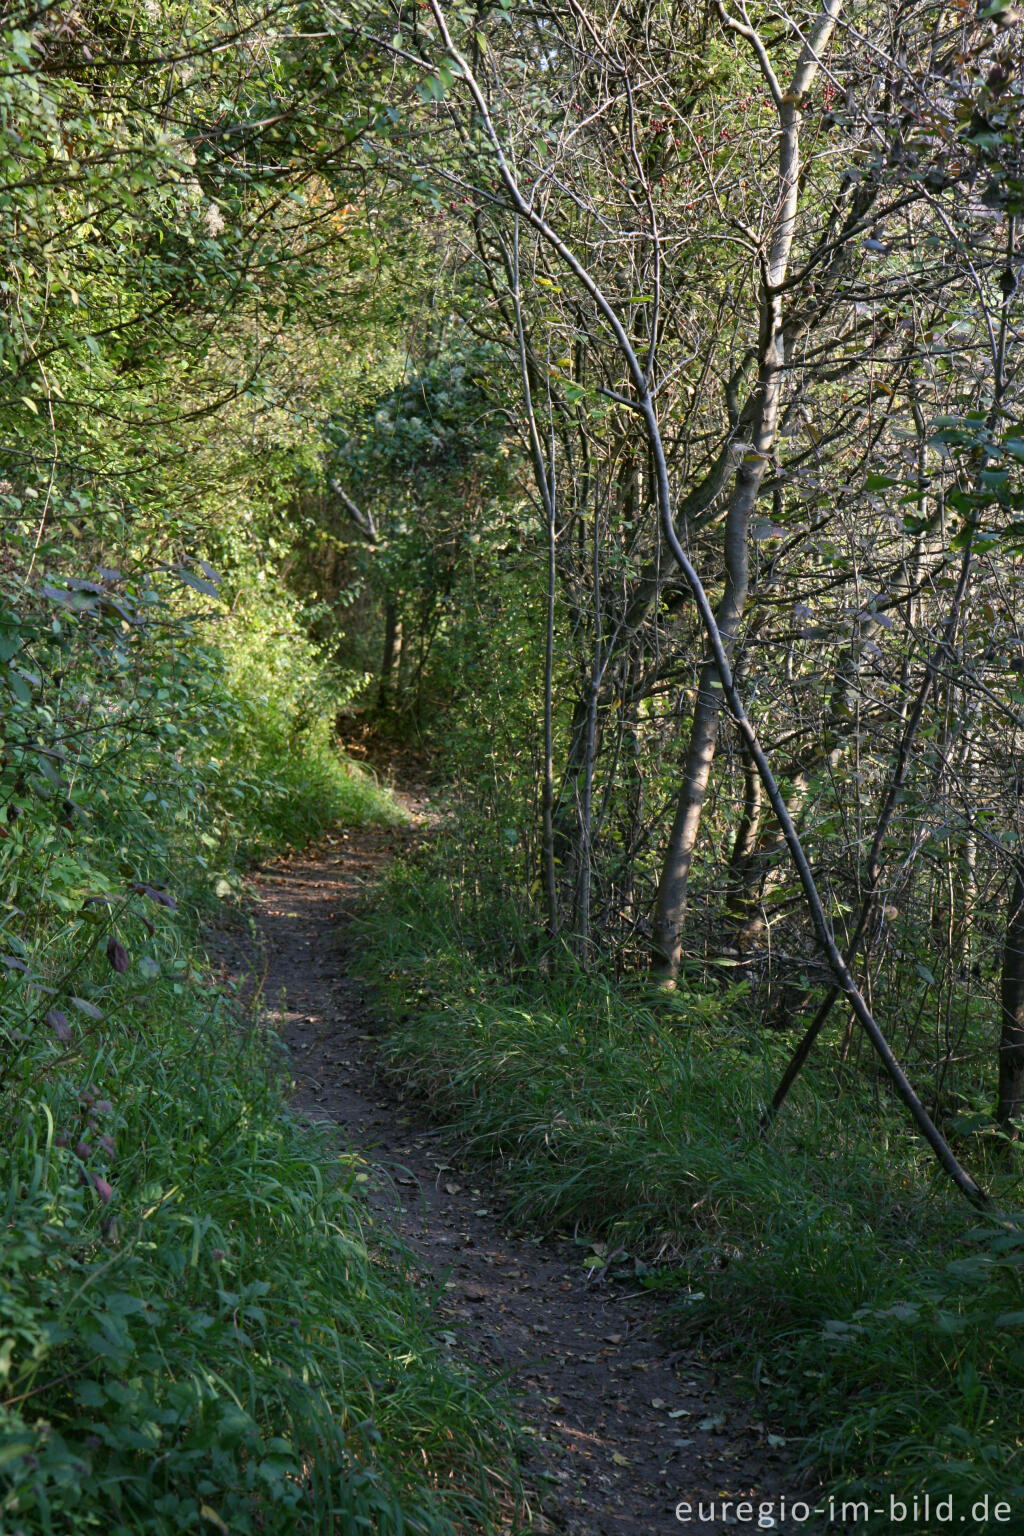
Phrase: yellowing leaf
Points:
(211, 1514)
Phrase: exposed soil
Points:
(621, 1428)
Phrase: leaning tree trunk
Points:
(1010, 1106)
(640, 380)
(673, 889)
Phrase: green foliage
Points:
(427, 464)
(205, 348)
(425, 430)
(216, 1332)
(283, 776)
(827, 1262)
(199, 1320)
(200, 1324)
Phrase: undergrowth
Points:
(201, 1327)
(880, 1322)
(284, 780)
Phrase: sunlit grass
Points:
(201, 1325)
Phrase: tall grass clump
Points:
(879, 1320)
(201, 1326)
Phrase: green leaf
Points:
(14, 1449)
(198, 583)
(19, 687)
(84, 1006)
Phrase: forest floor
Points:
(621, 1426)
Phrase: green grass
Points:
(298, 795)
(279, 774)
(201, 1325)
(228, 1328)
(882, 1322)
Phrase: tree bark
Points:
(1010, 1105)
(640, 379)
(670, 908)
(673, 889)
(740, 882)
(391, 655)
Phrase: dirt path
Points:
(621, 1429)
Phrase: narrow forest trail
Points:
(622, 1427)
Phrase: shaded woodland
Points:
(620, 409)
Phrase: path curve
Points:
(621, 1429)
